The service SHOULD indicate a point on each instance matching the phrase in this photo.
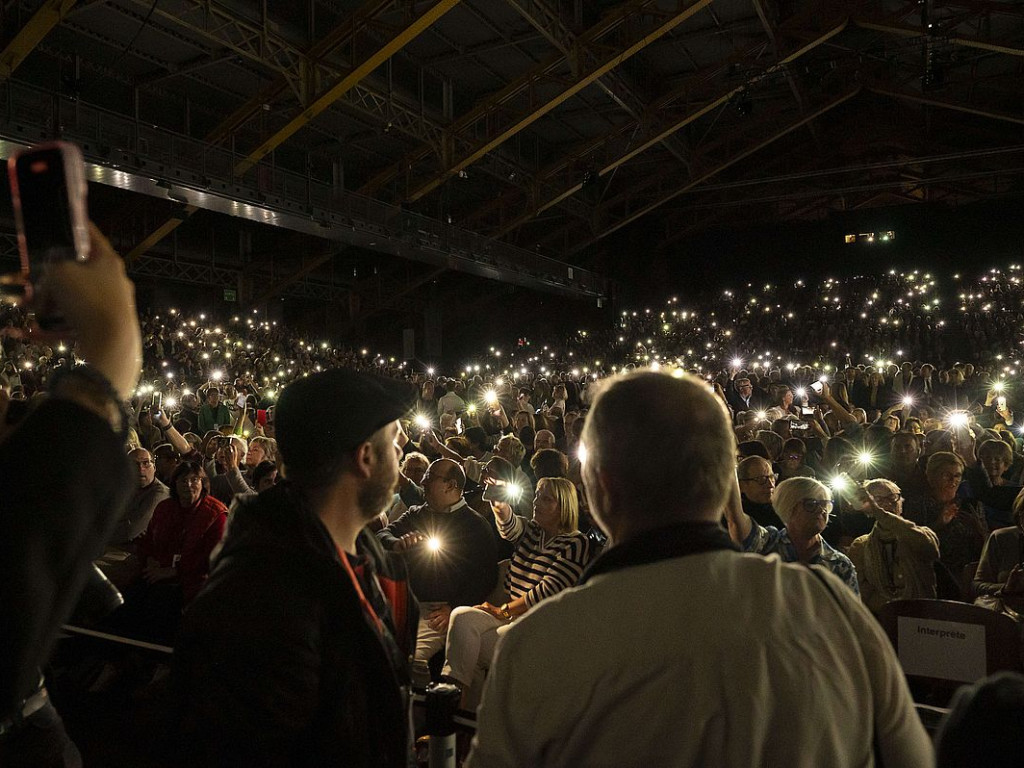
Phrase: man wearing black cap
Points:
(295, 652)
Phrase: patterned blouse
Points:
(767, 540)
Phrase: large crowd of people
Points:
(283, 488)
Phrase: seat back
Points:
(968, 581)
(942, 644)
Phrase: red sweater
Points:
(188, 535)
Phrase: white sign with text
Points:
(948, 650)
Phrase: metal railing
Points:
(118, 141)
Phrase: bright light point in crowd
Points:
(430, 371)
(801, 392)
(434, 544)
(958, 419)
(737, 362)
(655, 366)
(761, 415)
(491, 397)
(908, 400)
(170, 402)
(823, 378)
(865, 458)
(997, 387)
(838, 483)
(470, 408)
(514, 491)
(217, 375)
(499, 381)
(677, 373)
(170, 374)
(581, 453)
(422, 421)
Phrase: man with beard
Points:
(295, 652)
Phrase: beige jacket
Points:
(912, 574)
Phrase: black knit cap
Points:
(324, 415)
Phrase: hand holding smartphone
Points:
(48, 191)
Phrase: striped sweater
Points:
(542, 565)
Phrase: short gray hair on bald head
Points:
(664, 444)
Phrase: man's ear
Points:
(364, 460)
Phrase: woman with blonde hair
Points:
(550, 556)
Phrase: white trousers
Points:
(472, 637)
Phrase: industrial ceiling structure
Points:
(357, 151)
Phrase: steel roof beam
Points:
(548, 22)
(583, 79)
(348, 82)
(916, 99)
(499, 101)
(340, 35)
(29, 36)
(658, 131)
(638, 202)
(963, 42)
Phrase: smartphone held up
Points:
(48, 191)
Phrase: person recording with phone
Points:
(449, 552)
(896, 560)
(550, 556)
(49, 531)
(804, 505)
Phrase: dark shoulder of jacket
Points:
(278, 520)
(390, 565)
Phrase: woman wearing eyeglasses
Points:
(959, 522)
(896, 561)
(804, 505)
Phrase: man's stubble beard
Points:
(374, 496)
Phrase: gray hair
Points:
(665, 445)
(789, 493)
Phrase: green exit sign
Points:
(230, 294)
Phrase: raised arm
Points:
(844, 415)
(739, 522)
(174, 437)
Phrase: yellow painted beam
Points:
(39, 26)
(338, 36)
(964, 42)
(159, 234)
(346, 84)
(667, 26)
(294, 277)
(686, 120)
(673, 128)
(1006, 118)
(804, 120)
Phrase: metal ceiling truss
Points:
(385, 292)
(198, 175)
(746, 138)
(499, 118)
(546, 19)
(292, 66)
(480, 120)
(700, 96)
(31, 34)
(209, 275)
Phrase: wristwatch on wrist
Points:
(504, 611)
